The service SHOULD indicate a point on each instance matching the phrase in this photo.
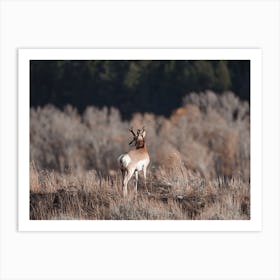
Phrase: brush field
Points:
(200, 162)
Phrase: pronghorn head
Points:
(138, 137)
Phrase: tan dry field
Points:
(200, 162)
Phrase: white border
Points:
(24, 57)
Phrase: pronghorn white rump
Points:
(135, 160)
(124, 160)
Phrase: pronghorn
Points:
(135, 160)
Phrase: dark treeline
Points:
(133, 86)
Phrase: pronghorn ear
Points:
(144, 133)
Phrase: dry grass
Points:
(181, 196)
(185, 195)
(200, 162)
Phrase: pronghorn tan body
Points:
(135, 160)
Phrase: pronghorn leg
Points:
(123, 176)
(136, 181)
(145, 178)
(127, 177)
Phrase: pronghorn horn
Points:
(134, 136)
(131, 130)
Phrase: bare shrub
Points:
(105, 138)
(225, 130)
(228, 105)
(56, 140)
(210, 134)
